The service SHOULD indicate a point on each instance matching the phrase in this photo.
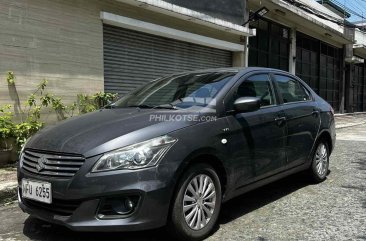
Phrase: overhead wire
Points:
(347, 9)
(359, 5)
(320, 14)
(353, 6)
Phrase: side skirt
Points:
(254, 185)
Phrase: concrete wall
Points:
(56, 40)
(360, 37)
(232, 11)
(62, 41)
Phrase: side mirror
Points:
(247, 104)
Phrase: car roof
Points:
(233, 69)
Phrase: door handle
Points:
(280, 120)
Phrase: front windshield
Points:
(177, 91)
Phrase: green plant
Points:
(6, 122)
(103, 99)
(85, 103)
(31, 118)
(26, 129)
(89, 103)
(29, 121)
(59, 107)
(10, 78)
(7, 128)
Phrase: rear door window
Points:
(291, 90)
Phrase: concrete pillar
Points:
(246, 52)
(292, 54)
(349, 88)
(239, 59)
(246, 39)
(342, 87)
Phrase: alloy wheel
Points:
(199, 201)
(321, 159)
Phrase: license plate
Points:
(37, 190)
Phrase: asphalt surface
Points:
(290, 209)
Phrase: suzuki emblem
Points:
(41, 163)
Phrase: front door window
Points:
(257, 86)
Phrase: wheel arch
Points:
(204, 156)
(207, 156)
(325, 135)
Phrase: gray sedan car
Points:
(171, 152)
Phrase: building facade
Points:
(86, 46)
(321, 47)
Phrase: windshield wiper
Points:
(142, 106)
(166, 106)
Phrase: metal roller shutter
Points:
(359, 87)
(319, 65)
(133, 58)
(271, 45)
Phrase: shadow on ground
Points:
(258, 198)
(362, 188)
(235, 208)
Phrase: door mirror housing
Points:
(247, 104)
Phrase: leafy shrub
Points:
(10, 78)
(89, 103)
(36, 103)
(6, 123)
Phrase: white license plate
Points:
(37, 190)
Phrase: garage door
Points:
(319, 65)
(133, 58)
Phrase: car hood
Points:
(104, 130)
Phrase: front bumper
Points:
(85, 191)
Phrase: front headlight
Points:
(140, 155)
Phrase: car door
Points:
(302, 118)
(258, 137)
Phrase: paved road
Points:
(289, 209)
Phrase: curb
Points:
(350, 114)
(349, 125)
(8, 193)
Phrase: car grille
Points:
(52, 165)
(58, 206)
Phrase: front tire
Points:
(196, 204)
(320, 163)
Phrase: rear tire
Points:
(320, 162)
(196, 204)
